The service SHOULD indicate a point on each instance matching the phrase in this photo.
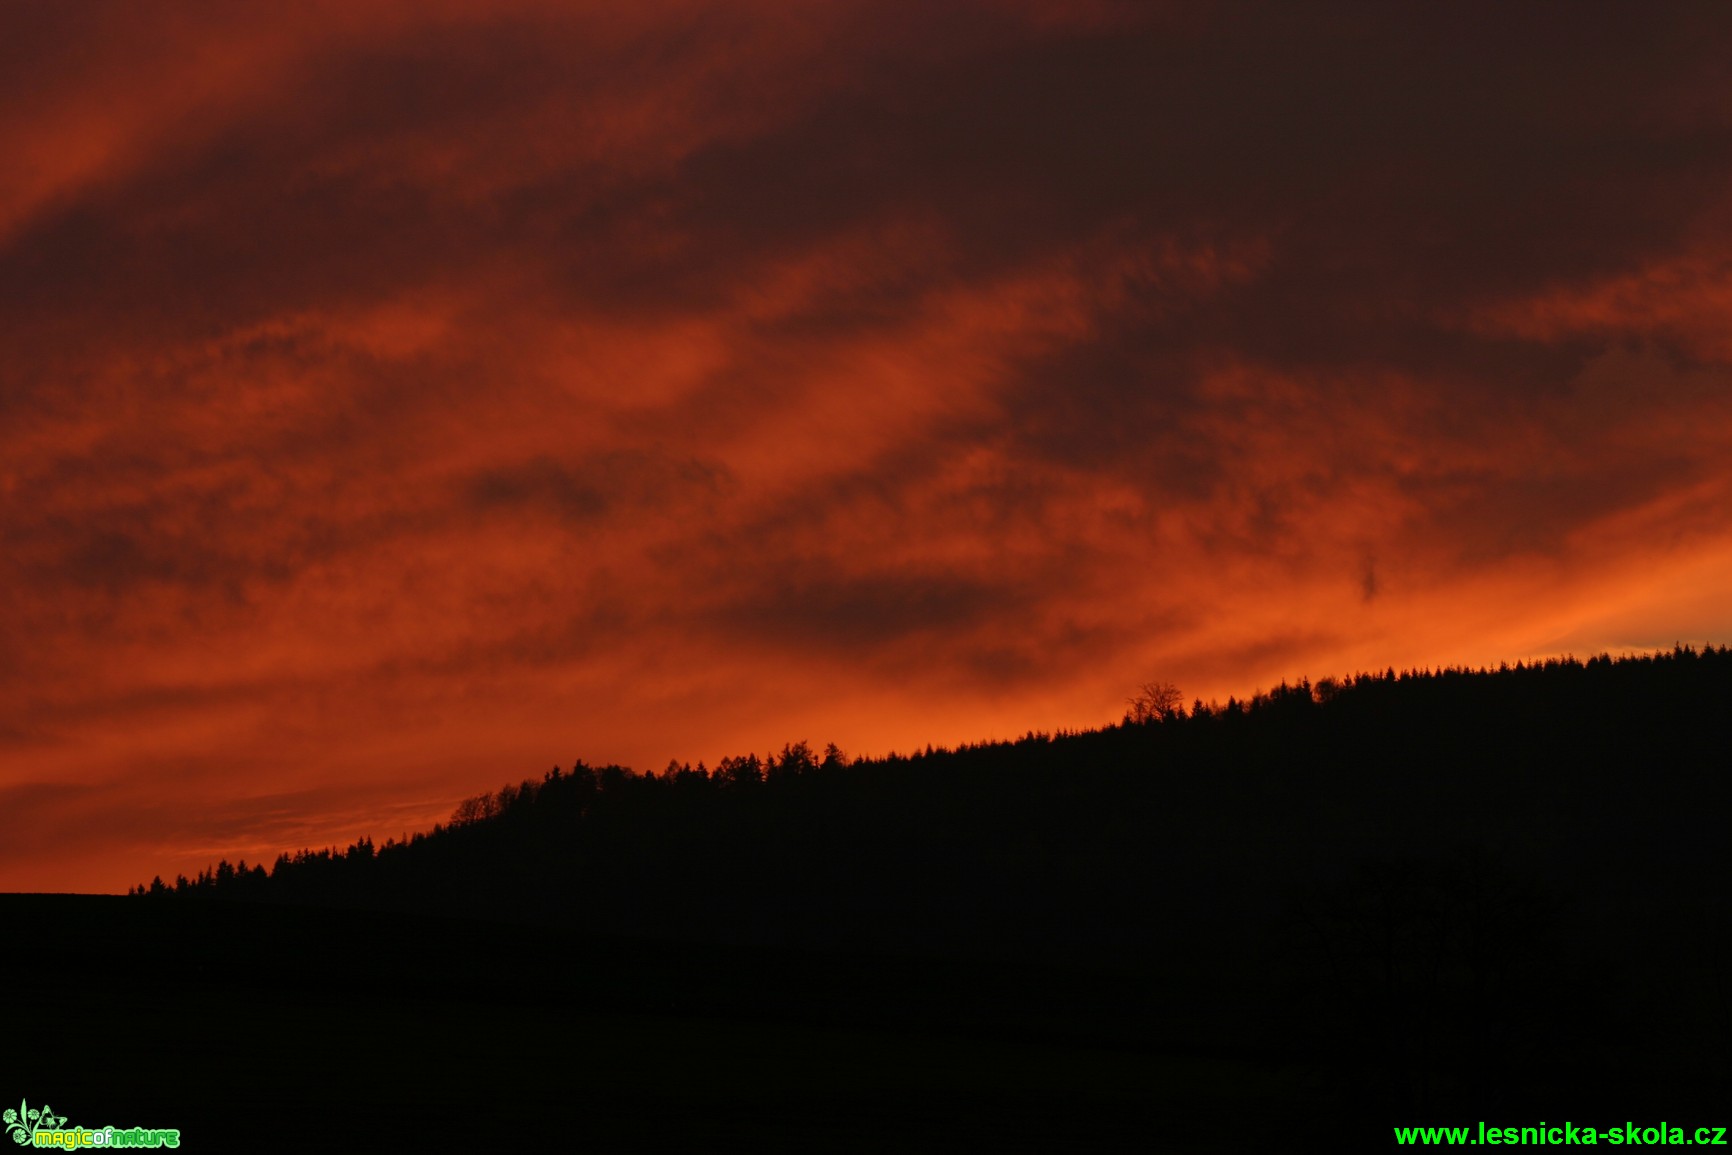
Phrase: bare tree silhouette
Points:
(1155, 702)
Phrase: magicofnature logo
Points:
(41, 1127)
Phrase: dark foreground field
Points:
(257, 1028)
(260, 1028)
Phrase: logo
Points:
(41, 1127)
(23, 1123)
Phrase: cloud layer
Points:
(400, 398)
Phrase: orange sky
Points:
(401, 398)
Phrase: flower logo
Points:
(23, 1123)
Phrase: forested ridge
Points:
(1467, 887)
(1514, 761)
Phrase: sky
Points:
(398, 399)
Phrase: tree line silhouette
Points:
(1382, 730)
(1431, 880)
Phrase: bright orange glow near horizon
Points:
(400, 399)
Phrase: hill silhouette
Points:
(1429, 895)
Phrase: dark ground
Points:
(261, 1028)
(258, 1028)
